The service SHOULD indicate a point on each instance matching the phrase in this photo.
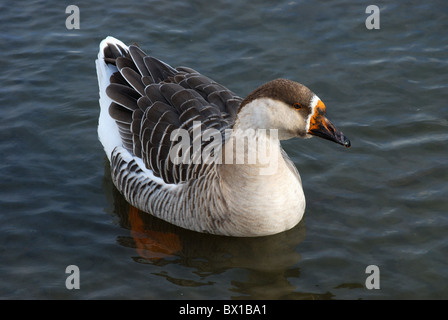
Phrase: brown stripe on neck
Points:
(284, 90)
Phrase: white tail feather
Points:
(107, 128)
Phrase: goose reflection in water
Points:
(258, 267)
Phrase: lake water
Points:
(382, 202)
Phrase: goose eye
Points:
(297, 106)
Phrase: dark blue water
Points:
(383, 202)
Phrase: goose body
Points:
(172, 137)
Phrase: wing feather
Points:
(151, 101)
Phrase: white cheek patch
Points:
(314, 101)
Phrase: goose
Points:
(187, 150)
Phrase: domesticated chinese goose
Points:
(173, 137)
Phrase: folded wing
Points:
(155, 106)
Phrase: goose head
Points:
(289, 107)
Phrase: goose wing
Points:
(158, 109)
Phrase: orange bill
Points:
(320, 126)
